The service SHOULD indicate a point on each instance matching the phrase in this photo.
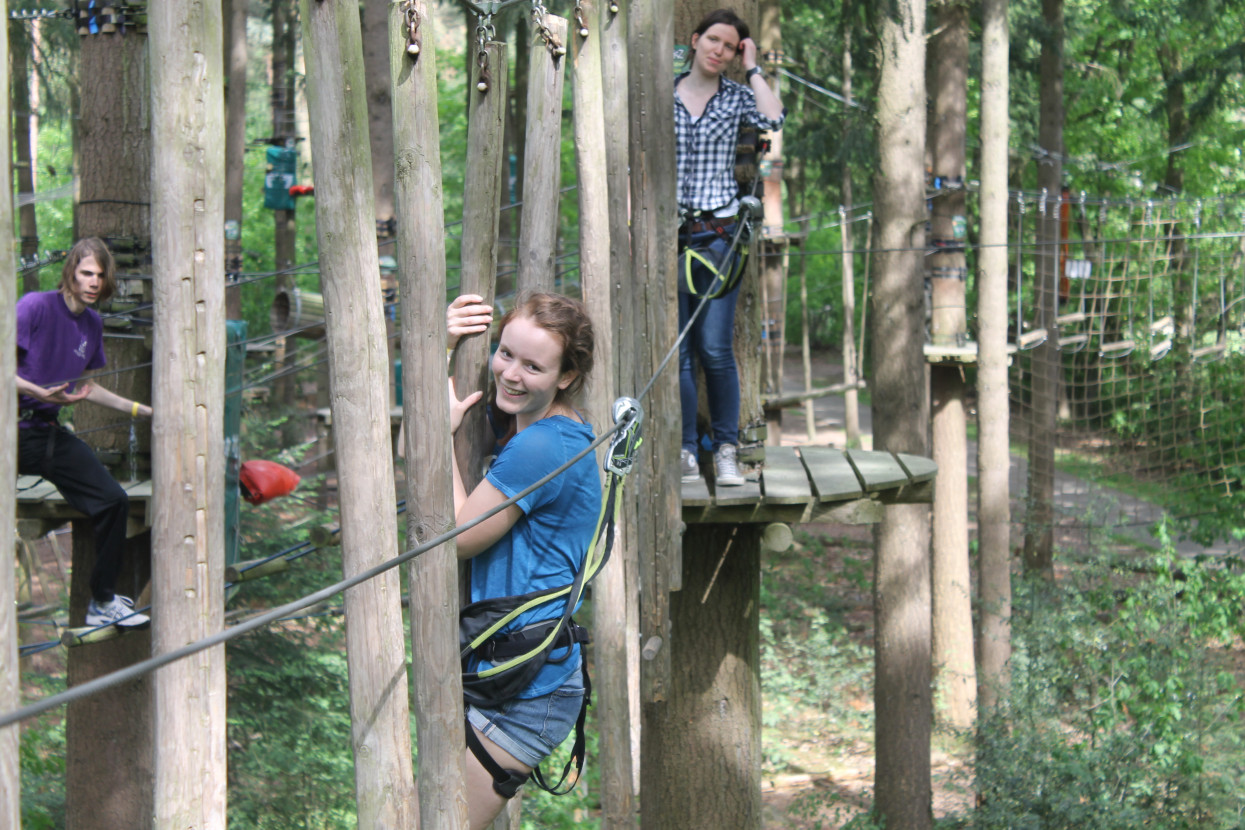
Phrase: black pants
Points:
(65, 460)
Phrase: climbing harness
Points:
(711, 260)
(516, 657)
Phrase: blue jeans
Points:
(711, 341)
(530, 729)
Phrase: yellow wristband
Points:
(134, 410)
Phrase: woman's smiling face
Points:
(527, 371)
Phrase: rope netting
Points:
(1146, 345)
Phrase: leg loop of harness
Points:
(506, 782)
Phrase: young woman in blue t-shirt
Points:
(543, 358)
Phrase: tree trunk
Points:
(954, 670)
(902, 704)
(610, 595)
(1039, 522)
(851, 398)
(188, 400)
(614, 68)
(993, 458)
(234, 13)
(10, 675)
(433, 577)
(346, 231)
(538, 228)
(707, 735)
(114, 186)
(24, 144)
(375, 20)
(652, 322)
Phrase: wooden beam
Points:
(10, 682)
(433, 578)
(542, 177)
(346, 231)
(188, 401)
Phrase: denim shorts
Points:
(530, 729)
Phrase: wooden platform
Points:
(815, 484)
(41, 508)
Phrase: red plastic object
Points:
(302, 189)
(263, 481)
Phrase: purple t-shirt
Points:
(54, 345)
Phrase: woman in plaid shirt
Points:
(708, 109)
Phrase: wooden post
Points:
(654, 320)
(708, 733)
(609, 590)
(993, 458)
(345, 226)
(482, 193)
(433, 577)
(955, 675)
(10, 678)
(115, 194)
(188, 400)
(542, 162)
(235, 54)
(614, 77)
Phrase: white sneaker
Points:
(117, 611)
(726, 466)
(688, 466)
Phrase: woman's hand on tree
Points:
(467, 315)
(458, 408)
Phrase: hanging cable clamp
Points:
(411, 20)
(627, 440)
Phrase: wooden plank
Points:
(748, 493)
(696, 493)
(833, 478)
(918, 469)
(783, 479)
(878, 470)
(40, 492)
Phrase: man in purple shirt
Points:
(58, 338)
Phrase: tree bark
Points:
(24, 144)
(707, 735)
(538, 227)
(188, 476)
(10, 674)
(955, 679)
(346, 230)
(614, 69)
(652, 322)
(374, 21)
(234, 13)
(114, 186)
(902, 703)
(993, 456)
(1039, 521)
(433, 577)
(610, 596)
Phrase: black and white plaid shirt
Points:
(705, 147)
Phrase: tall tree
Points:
(25, 141)
(993, 454)
(902, 701)
(188, 160)
(954, 669)
(234, 13)
(114, 129)
(1039, 533)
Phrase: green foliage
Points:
(41, 756)
(1123, 712)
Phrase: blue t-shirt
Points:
(54, 345)
(548, 543)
